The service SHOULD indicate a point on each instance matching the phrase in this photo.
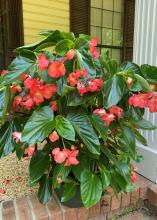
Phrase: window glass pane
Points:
(118, 5)
(96, 17)
(96, 31)
(96, 3)
(107, 36)
(116, 54)
(108, 4)
(117, 38)
(117, 20)
(107, 19)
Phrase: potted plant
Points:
(76, 114)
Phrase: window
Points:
(112, 21)
(107, 24)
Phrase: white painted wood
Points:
(145, 51)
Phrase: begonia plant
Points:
(76, 114)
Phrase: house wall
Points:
(145, 51)
(44, 15)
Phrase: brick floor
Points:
(29, 208)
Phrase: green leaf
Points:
(140, 138)
(68, 192)
(149, 72)
(129, 139)
(98, 124)
(144, 124)
(45, 189)
(106, 178)
(62, 172)
(145, 85)
(5, 96)
(63, 46)
(84, 129)
(66, 89)
(113, 90)
(84, 162)
(39, 125)
(39, 164)
(74, 99)
(91, 188)
(20, 148)
(130, 66)
(7, 144)
(64, 128)
(18, 66)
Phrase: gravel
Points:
(14, 178)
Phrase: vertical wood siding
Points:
(145, 52)
(44, 15)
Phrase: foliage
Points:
(76, 114)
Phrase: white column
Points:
(145, 52)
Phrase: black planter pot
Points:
(75, 202)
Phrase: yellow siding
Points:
(44, 15)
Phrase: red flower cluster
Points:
(70, 54)
(69, 155)
(133, 177)
(92, 47)
(144, 100)
(110, 116)
(43, 62)
(30, 150)
(54, 106)
(56, 69)
(16, 88)
(92, 85)
(37, 93)
(3, 72)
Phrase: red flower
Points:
(71, 157)
(23, 76)
(70, 54)
(54, 136)
(59, 156)
(43, 62)
(152, 104)
(54, 106)
(82, 73)
(94, 41)
(56, 69)
(37, 95)
(48, 91)
(28, 104)
(116, 111)
(133, 177)
(30, 83)
(16, 88)
(99, 111)
(140, 100)
(81, 88)
(94, 85)
(3, 72)
(108, 118)
(17, 136)
(72, 79)
(30, 150)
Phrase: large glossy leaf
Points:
(99, 126)
(39, 164)
(145, 85)
(39, 125)
(7, 144)
(63, 46)
(64, 128)
(113, 90)
(45, 189)
(18, 66)
(91, 188)
(69, 191)
(84, 161)
(52, 37)
(149, 72)
(130, 66)
(106, 177)
(144, 124)
(83, 127)
(140, 137)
